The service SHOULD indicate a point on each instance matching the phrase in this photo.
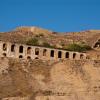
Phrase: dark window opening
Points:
(29, 50)
(4, 47)
(67, 54)
(37, 51)
(97, 44)
(52, 53)
(4, 54)
(74, 55)
(21, 49)
(20, 56)
(44, 52)
(36, 58)
(28, 57)
(12, 48)
(59, 54)
(81, 56)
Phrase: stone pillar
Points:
(33, 52)
(8, 49)
(16, 51)
(48, 54)
(56, 54)
(63, 54)
(71, 55)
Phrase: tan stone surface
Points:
(59, 80)
(49, 78)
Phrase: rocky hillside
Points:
(23, 34)
(49, 80)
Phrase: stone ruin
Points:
(23, 51)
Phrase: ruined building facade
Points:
(22, 51)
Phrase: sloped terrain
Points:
(53, 80)
(23, 34)
(50, 80)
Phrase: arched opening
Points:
(74, 55)
(81, 56)
(67, 55)
(36, 58)
(29, 50)
(4, 47)
(21, 49)
(4, 54)
(59, 54)
(97, 44)
(28, 57)
(13, 48)
(36, 51)
(44, 52)
(52, 53)
(20, 56)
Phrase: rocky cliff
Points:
(49, 80)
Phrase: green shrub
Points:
(86, 47)
(78, 47)
(45, 44)
(39, 35)
(33, 41)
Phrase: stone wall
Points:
(13, 50)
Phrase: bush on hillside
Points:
(78, 47)
(33, 41)
(46, 44)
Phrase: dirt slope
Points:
(63, 79)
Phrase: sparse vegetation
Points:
(33, 41)
(70, 47)
(78, 47)
(46, 44)
(39, 35)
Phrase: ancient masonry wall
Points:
(22, 51)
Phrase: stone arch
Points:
(74, 55)
(20, 56)
(13, 48)
(52, 53)
(81, 56)
(36, 51)
(4, 54)
(59, 54)
(44, 52)
(21, 49)
(67, 55)
(97, 44)
(29, 50)
(4, 47)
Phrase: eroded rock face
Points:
(49, 80)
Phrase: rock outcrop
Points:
(53, 80)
